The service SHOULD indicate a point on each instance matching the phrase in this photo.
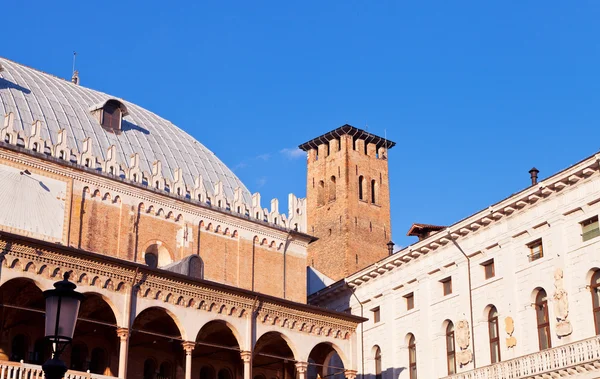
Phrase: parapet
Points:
(202, 192)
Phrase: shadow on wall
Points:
(126, 126)
(4, 84)
(390, 373)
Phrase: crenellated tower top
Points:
(347, 200)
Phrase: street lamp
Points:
(62, 308)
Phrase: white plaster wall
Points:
(511, 290)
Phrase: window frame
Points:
(446, 286)
(489, 264)
(543, 326)
(412, 353)
(494, 341)
(595, 287)
(376, 315)
(532, 245)
(593, 233)
(450, 354)
(410, 301)
(378, 367)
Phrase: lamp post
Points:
(62, 308)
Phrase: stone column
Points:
(188, 347)
(301, 367)
(123, 334)
(247, 359)
(350, 374)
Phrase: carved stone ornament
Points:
(509, 327)
(561, 305)
(463, 335)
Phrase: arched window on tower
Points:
(378, 369)
(361, 187)
(543, 321)
(332, 189)
(374, 194)
(595, 289)
(412, 357)
(450, 351)
(321, 193)
(494, 335)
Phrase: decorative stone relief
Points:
(509, 327)
(463, 335)
(561, 305)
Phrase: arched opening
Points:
(542, 320)
(19, 348)
(494, 335)
(321, 193)
(273, 357)
(217, 341)
(165, 371)
(361, 188)
(155, 334)
(377, 362)
(149, 368)
(22, 321)
(332, 189)
(98, 361)
(79, 356)
(595, 291)
(157, 255)
(450, 349)
(207, 372)
(374, 194)
(224, 374)
(325, 361)
(412, 356)
(95, 334)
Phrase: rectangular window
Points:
(536, 250)
(410, 301)
(376, 315)
(489, 269)
(447, 285)
(590, 228)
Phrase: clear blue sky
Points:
(475, 93)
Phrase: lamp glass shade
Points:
(67, 318)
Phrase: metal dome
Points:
(59, 104)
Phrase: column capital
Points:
(123, 333)
(246, 356)
(188, 346)
(350, 374)
(301, 367)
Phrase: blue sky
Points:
(475, 93)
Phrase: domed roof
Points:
(32, 95)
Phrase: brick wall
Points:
(352, 233)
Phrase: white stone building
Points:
(509, 292)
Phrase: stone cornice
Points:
(512, 205)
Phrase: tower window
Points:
(321, 193)
(374, 199)
(361, 184)
(332, 189)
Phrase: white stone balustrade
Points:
(20, 370)
(566, 360)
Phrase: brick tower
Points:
(348, 200)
